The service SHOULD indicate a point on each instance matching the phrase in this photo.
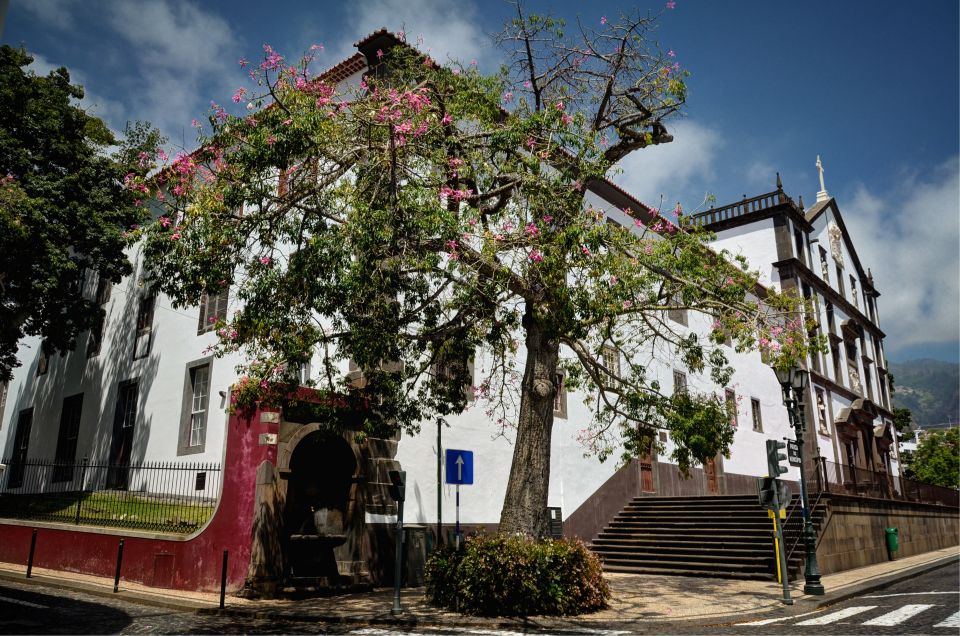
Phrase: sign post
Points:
(774, 495)
(459, 465)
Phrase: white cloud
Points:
(449, 30)
(177, 56)
(673, 170)
(910, 237)
(51, 13)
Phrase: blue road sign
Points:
(459, 466)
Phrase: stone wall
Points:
(854, 535)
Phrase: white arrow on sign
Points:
(459, 464)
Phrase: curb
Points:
(805, 604)
(142, 598)
(881, 582)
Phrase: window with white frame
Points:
(212, 308)
(611, 360)
(196, 406)
(731, 400)
(144, 326)
(560, 397)
(755, 413)
(679, 382)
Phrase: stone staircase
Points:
(718, 536)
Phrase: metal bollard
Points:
(33, 548)
(223, 578)
(116, 576)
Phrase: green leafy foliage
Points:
(433, 216)
(511, 575)
(936, 460)
(64, 210)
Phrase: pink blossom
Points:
(175, 236)
(566, 119)
(452, 245)
(195, 123)
(603, 19)
(671, 53)
(379, 54)
(559, 106)
(239, 95)
(265, 260)
(716, 323)
(585, 250)
(507, 97)
(162, 155)
(316, 47)
(671, 4)
(627, 304)
(530, 142)
(547, 218)
(164, 221)
(243, 62)
(531, 229)
(271, 140)
(447, 119)
(536, 256)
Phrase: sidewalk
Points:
(635, 598)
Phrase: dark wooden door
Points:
(710, 469)
(125, 418)
(647, 484)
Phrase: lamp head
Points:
(784, 376)
(800, 380)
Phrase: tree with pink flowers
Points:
(441, 228)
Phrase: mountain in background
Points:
(929, 388)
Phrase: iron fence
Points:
(840, 478)
(163, 496)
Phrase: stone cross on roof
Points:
(822, 194)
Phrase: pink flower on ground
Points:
(530, 142)
(271, 140)
(585, 250)
(627, 304)
(265, 260)
(164, 221)
(536, 256)
(447, 120)
(531, 229)
(175, 236)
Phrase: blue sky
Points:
(870, 86)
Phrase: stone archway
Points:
(324, 508)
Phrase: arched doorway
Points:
(322, 514)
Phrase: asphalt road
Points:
(928, 604)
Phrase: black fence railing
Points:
(843, 479)
(163, 496)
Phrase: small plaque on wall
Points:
(268, 439)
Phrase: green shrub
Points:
(504, 575)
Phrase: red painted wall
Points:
(192, 564)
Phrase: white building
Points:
(145, 390)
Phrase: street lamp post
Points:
(794, 382)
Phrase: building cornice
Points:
(838, 300)
(827, 383)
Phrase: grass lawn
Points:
(110, 508)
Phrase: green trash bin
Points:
(893, 541)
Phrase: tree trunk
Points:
(525, 504)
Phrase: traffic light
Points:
(398, 484)
(775, 457)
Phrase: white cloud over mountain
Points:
(909, 235)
